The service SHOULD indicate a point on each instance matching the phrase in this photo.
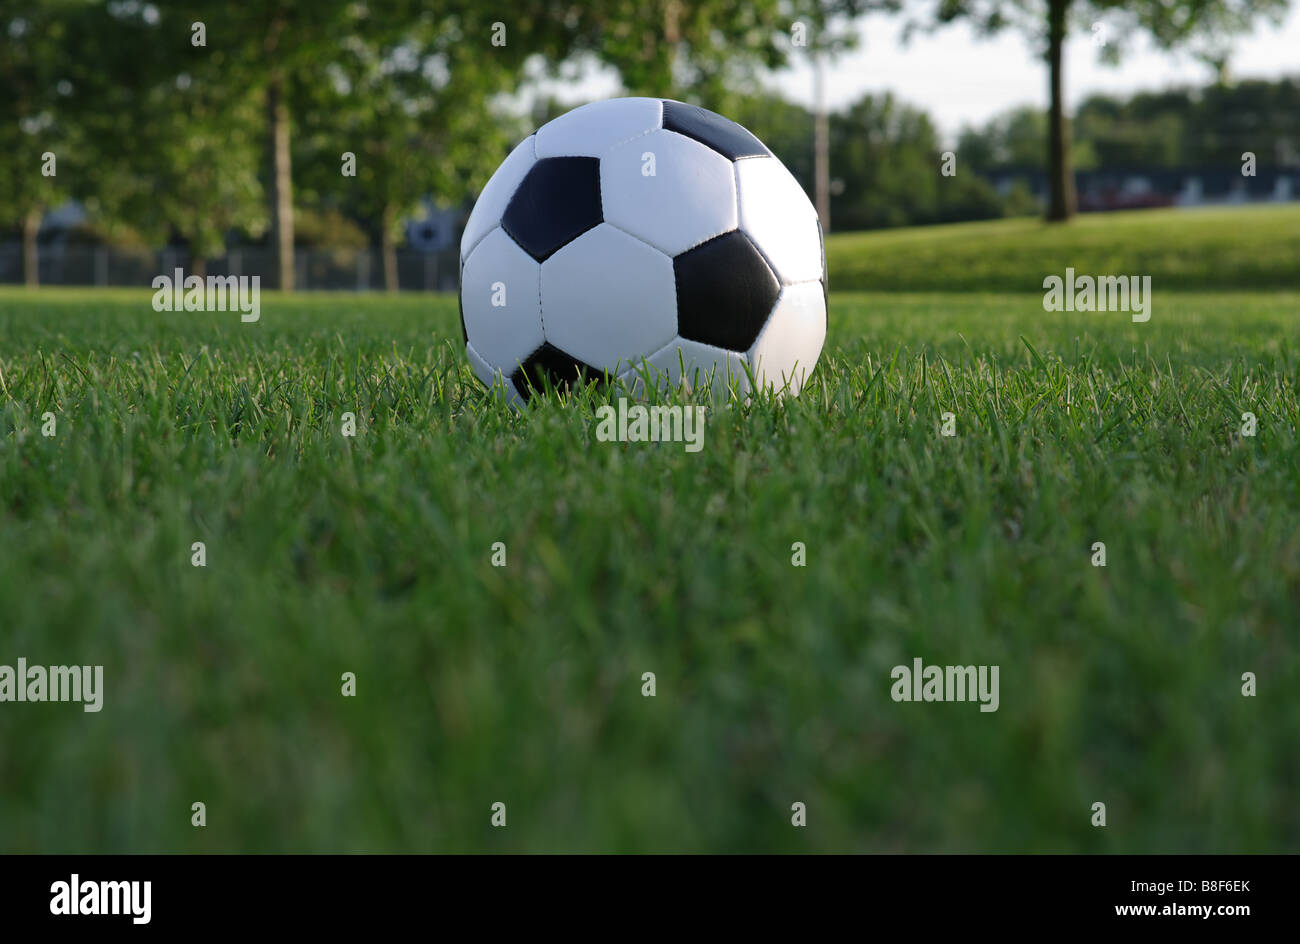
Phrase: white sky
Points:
(960, 78)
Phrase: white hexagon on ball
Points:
(500, 297)
(591, 130)
(788, 346)
(607, 296)
(690, 197)
(779, 217)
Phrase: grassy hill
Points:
(1238, 248)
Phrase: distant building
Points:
(63, 219)
(1137, 188)
(437, 229)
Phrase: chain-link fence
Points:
(350, 270)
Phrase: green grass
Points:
(1243, 248)
(522, 684)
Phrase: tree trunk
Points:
(1061, 200)
(389, 245)
(198, 265)
(672, 37)
(277, 114)
(31, 255)
(821, 143)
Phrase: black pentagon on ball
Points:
(557, 201)
(550, 366)
(725, 291)
(722, 134)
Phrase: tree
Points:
(887, 155)
(1149, 130)
(1204, 25)
(825, 44)
(414, 115)
(38, 143)
(176, 149)
(711, 53)
(414, 104)
(193, 169)
(263, 49)
(284, 50)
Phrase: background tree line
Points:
(188, 121)
(886, 155)
(196, 122)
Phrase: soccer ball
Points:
(645, 240)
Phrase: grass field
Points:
(1216, 249)
(523, 684)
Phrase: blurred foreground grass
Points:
(523, 684)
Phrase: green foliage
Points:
(705, 52)
(1192, 127)
(413, 102)
(191, 167)
(328, 229)
(887, 154)
(1206, 27)
(1013, 139)
(36, 81)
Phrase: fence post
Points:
(232, 262)
(363, 269)
(101, 265)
